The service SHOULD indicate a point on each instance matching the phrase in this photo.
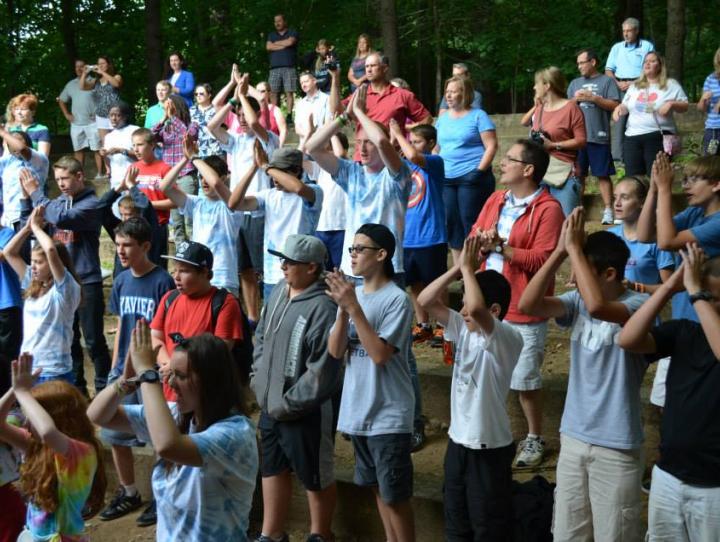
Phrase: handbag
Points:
(558, 170)
(672, 144)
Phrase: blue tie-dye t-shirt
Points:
(211, 502)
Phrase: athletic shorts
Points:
(283, 79)
(526, 376)
(120, 438)
(84, 136)
(305, 446)
(425, 264)
(384, 461)
(250, 243)
(596, 158)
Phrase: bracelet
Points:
(123, 388)
(233, 102)
(702, 295)
(342, 119)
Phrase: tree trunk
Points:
(67, 27)
(389, 27)
(153, 46)
(675, 42)
(438, 54)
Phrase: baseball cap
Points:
(286, 158)
(193, 253)
(384, 238)
(303, 249)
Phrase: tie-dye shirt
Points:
(75, 472)
(211, 502)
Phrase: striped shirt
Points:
(511, 211)
(712, 84)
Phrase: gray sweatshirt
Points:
(292, 372)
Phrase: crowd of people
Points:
(302, 277)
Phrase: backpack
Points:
(242, 351)
(533, 510)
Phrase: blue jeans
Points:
(464, 198)
(89, 318)
(67, 377)
(568, 194)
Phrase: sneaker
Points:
(607, 217)
(121, 505)
(645, 486)
(149, 516)
(448, 352)
(314, 537)
(531, 452)
(422, 333)
(438, 337)
(264, 538)
(417, 439)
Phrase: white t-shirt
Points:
(119, 138)
(48, 325)
(239, 148)
(642, 103)
(481, 378)
(216, 227)
(285, 214)
(210, 502)
(378, 198)
(317, 105)
(332, 216)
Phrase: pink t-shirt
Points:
(563, 124)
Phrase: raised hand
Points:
(662, 172)
(37, 217)
(341, 290)
(142, 354)
(575, 229)
(190, 146)
(693, 259)
(469, 257)
(28, 182)
(23, 376)
(360, 101)
(261, 157)
(131, 175)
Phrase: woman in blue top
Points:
(356, 72)
(710, 103)
(467, 142)
(205, 478)
(181, 80)
(648, 266)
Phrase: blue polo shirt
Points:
(626, 59)
(10, 295)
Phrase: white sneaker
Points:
(531, 452)
(607, 217)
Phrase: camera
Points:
(331, 63)
(538, 136)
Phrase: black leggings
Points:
(639, 152)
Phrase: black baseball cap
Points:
(193, 253)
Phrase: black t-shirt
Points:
(690, 428)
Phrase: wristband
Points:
(342, 119)
(233, 102)
(702, 295)
(123, 388)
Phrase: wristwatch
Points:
(499, 248)
(151, 376)
(702, 295)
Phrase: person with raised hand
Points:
(600, 467)
(685, 489)
(477, 489)
(205, 478)
(52, 295)
(62, 474)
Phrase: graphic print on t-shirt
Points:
(646, 102)
(418, 188)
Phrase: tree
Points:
(675, 39)
(389, 28)
(153, 46)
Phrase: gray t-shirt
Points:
(83, 102)
(597, 119)
(602, 406)
(379, 400)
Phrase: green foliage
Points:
(503, 41)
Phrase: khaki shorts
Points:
(84, 136)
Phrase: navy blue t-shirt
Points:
(133, 298)
(425, 218)
(10, 294)
(285, 58)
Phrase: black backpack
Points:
(532, 510)
(242, 351)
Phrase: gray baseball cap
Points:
(303, 249)
(286, 158)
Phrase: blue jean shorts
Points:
(384, 461)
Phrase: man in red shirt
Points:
(519, 228)
(384, 101)
(190, 313)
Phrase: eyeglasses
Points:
(581, 62)
(690, 181)
(511, 159)
(360, 249)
